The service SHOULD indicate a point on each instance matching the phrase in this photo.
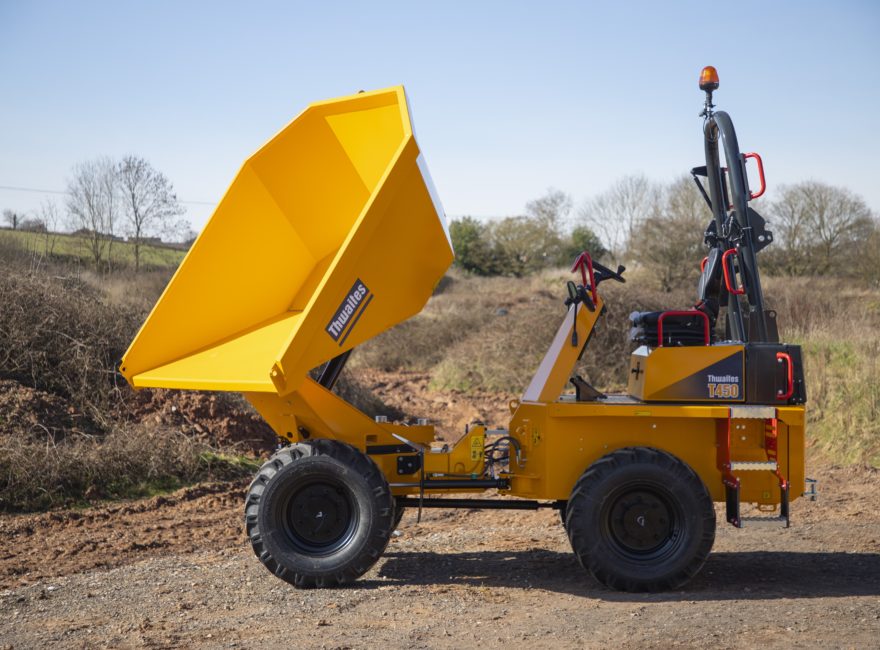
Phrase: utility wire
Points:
(39, 191)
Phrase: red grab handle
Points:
(692, 312)
(746, 156)
(789, 391)
(728, 282)
(585, 262)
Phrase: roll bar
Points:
(736, 232)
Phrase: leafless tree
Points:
(188, 236)
(150, 205)
(616, 214)
(93, 206)
(12, 218)
(51, 218)
(816, 225)
(32, 224)
(551, 209)
(670, 242)
(865, 260)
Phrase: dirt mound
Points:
(56, 543)
(411, 393)
(25, 410)
(223, 420)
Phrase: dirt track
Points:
(176, 572)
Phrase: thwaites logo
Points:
(723, 386)
(349, 312)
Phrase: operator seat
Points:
(684, 328)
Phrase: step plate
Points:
(766, 522)
(746, 466)
(752, 412)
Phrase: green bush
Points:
(473, 248)
(518, 246)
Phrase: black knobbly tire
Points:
(639, 519)
(319, 513)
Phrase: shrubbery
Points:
(70, 426)
(819, 230)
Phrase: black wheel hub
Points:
(320, 517)
(641, 522)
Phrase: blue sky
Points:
(509, 98)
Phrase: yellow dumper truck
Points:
(333, 232)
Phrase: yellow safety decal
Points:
(477, 443)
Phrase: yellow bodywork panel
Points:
(555, 369)
(330, 234)
(678, 374)
(235, 364)
(561, 440)
(312, 411)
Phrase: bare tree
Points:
(552, 209)
(188, 236)
(12, 218)
(670, 243)
(32, 224)
(865, 259)
(93, 204)
(51, 218)
(149, 202)
(817, 223)
(616, 214)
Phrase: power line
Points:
(35, 190)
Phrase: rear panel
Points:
(560, 441)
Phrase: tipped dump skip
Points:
(330, 234)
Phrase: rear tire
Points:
(639, 519)
(319, 513)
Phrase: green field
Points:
(64, 247)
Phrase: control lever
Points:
(420, 449)
(577, 293)
(604, 273)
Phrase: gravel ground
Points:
(176, 572)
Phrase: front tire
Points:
(319, 513)
(639, 519)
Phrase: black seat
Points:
(710, 285)
(688, 328)
(684, 328)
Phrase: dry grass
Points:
(60, 335)
(126, 462)
(65, 413)
(838, 325)
(73, 250)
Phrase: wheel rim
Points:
(643, 523)
(319, 517)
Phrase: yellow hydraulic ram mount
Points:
(333, 232)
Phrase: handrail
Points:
(789, 391)
(691, 312)
(760, 174)
(585, 262)
(728, 282)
